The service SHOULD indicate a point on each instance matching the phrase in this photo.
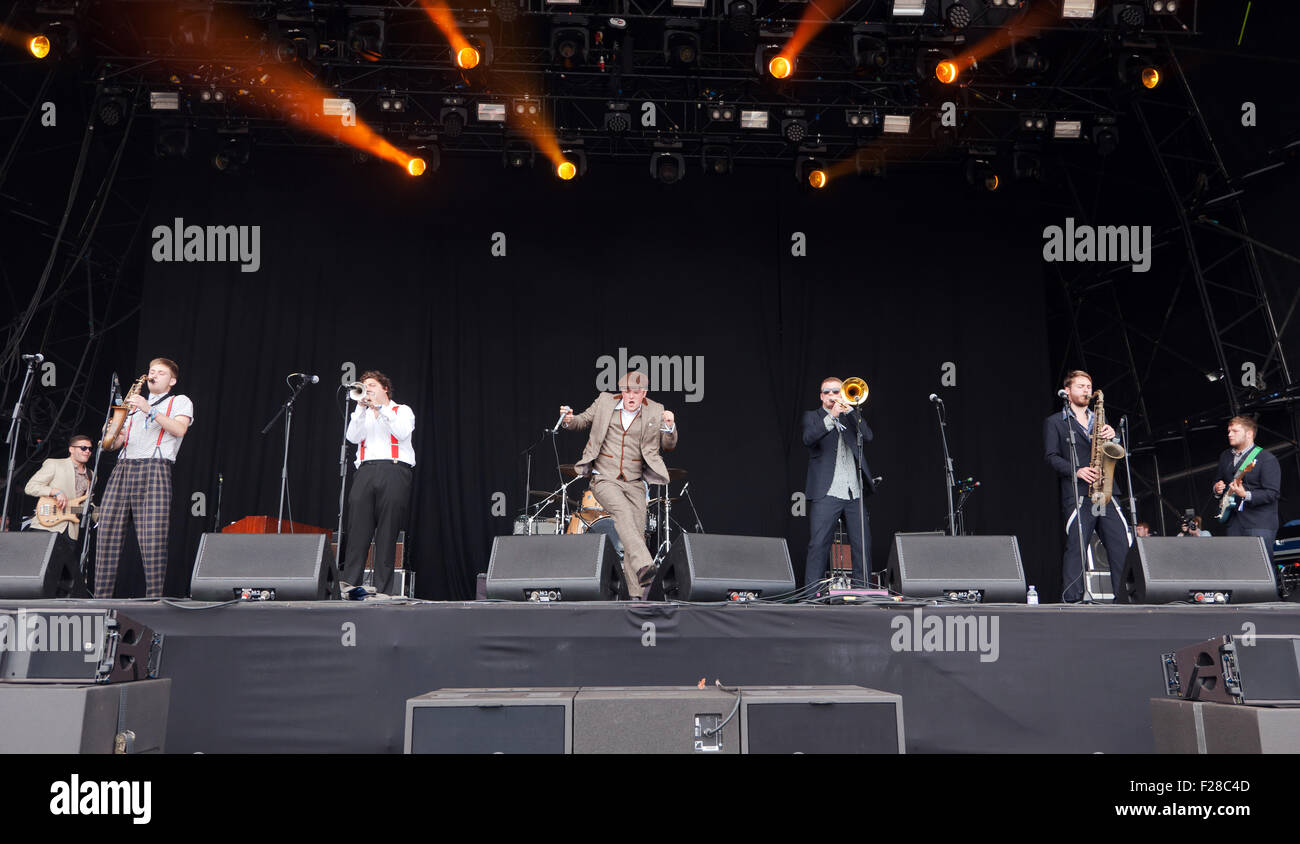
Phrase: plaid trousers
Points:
(141, 489)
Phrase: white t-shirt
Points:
(150, 440)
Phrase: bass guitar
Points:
(49, 515)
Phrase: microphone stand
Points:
(343, 476)
(1128, 471)
(948, 480)
(285, 410)
(15, 422)
(89, 523)
(1078, 505)
(862, 498)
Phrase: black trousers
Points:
(822, 514)
(66, 557)
(377, 508)
(1112, 529)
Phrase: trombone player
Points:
(836, 472)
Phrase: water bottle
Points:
(1032, 597)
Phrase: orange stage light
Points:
(567, 170)
(946, 72)
(779, 67)
(817, 178)
(1150, 77)
(415, 166)
(467, 58)
(39, 46)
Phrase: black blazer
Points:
(1056, 445)
(1263, 482)
(822, 445)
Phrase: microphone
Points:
(310, 379)
(558, 422)
(934, 397)
(1060, 394)
(37, 358)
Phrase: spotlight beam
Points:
(814, 20)
(443, 18)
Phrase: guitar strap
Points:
(1247, 460)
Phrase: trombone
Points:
(853, 392)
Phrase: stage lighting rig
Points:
(1033, 123)
(908, 8)
(293, 41)
(1078, 9)
(770, 64)
(740, 15)
(1163, 7)
(956, 13)
(938, 63)
(896, 124)
(810, 167)
(682, 43)
(861, 119)
(171, 139)
(717, 159)
(1105, 135)
(570, 41)
(1027, 163)
(617, 118)
(112, 107)
(507, 11)
(1027, 57)
(518, 154)
(981, 172)
(366, 37)
(794, 128)
(1128, 16)
(1139, 71)
(870, 48)
(232, 149)
(754, 119)
(193, 29)
(573, 164)
(722, 113)
(869, 162)
(453, 116)
(393, 104)
(1067, 130)
(525, 111)
(487, 111)
(666, 163)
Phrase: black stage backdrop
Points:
(903, 282)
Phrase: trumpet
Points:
(357, 392)
(853, 392)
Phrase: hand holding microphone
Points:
(566, 416)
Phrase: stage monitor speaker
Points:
(25, 565)
(820, 719)
(656, 719)
(58, 643)
(1180, 726)
(1165, 569)
(84, 718)
(581, 567)
(986, 568)
(279, 567)
(716, 567)
(534, 721)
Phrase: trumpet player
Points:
(835, 486)
(381, 493)
(1082, 519)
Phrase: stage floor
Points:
(333, 677)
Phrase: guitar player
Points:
(1254, 478)
(64, 479)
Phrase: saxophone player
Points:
(1077, 476)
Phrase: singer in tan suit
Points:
(628, 432)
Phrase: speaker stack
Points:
(1200, 570)
(265, 567)
(978, 568)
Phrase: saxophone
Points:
(1105, 454)
(114, 426)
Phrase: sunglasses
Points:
(830, 392)
(82, 447)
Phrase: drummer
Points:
(628, 433)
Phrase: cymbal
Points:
(676, 475)
(673, 499)
(540, 493)
(569, 470)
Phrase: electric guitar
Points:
(1228, 505)
(49, 515)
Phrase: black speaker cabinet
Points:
(84, 718)
(1164, 569)
(580, 567)
(930, 566)
(60, 643)
(287, 567)
(656, 719)
(820, 719)
(491, 721)
(1180, 726)
(26, 570)
(715, 567)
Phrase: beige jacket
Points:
(597, 418)
(56, 473)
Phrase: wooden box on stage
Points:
(841, 557)
(269, 524)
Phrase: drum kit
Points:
(587, 516)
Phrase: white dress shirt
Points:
(386, 436)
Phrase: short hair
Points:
(1246, 422)
(382, 379)
(1072, 374)
(830, 378)
(170, 364)
(634, 380)
(76, 438)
